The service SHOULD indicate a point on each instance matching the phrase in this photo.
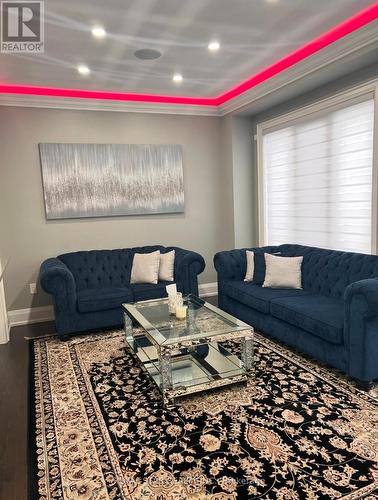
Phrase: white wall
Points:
(32, 238)
(240, 204)
(244, 182)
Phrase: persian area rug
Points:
(296, 431)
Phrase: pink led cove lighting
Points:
(352, 24)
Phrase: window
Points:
(317, 178)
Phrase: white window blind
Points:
(318, 180)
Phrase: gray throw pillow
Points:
(283, 272)
(145, 268)
(167, 266)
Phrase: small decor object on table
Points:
(181, 311)
(183, 357)
(175, 302)
(172, 297)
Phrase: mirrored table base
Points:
(188, 370)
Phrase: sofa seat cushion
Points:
(255, 296)
(147, 291)
(101, 299)
(319, 315)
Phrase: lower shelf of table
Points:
(193, 370)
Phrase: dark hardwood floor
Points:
(14, 364)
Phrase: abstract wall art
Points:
(100, 180)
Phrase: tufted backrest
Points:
(99, 268)
(329, 272)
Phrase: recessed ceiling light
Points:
(83, 70)
(177, 78)
(98, 32)
(272, 1)
(213, 46)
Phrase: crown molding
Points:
(80, 104)
(358, 41)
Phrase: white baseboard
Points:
(208, 289)
(20, 317)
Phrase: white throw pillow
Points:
(250, 265)
(282, 272)
(145, 268)
(167, 266)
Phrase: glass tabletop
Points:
(203, 321)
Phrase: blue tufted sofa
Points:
(89, 287)
(334, 318)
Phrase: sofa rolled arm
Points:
(231, 264)
(56, 279)
(361, 328)
(188, 265)
(362, 297)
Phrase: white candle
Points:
(181, 312)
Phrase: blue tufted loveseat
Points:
(89, 287)
(334, 318)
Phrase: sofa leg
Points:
(365, 385)
(64, 338)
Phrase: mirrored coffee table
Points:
(184, 356)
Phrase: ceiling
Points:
(253, 35)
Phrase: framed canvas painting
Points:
(102, 180)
